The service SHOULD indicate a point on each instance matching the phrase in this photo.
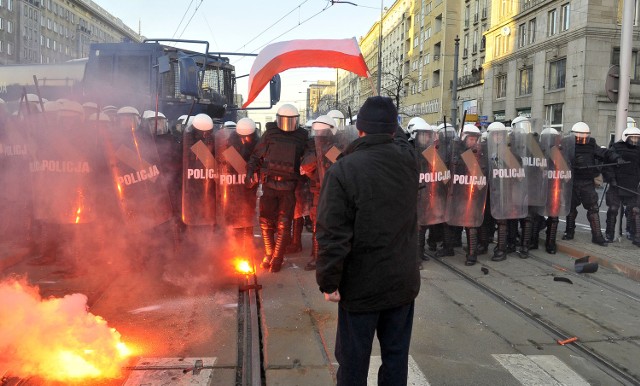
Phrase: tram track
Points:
(601, 361)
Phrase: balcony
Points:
(436, 57)
(476, 78)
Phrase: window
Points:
(557, 74)
(564, 17)
(635, 63)
(525, 81)
(505, 8)
(501, 86)
(9, 47)
(552, 22)
(475, 41)
(9, 26)
(1, 46)
(1, 24)
(10, 8)
(522, 35)
(532, 30)
(553, 116)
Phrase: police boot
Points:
(527, 228)
(570, 229)
(500, 252)
(457, 236)
(483, 240)
(596, 233)
(512, 235)
(284, 230)
(552, 230)
(296, 236)
(472, 246)
(447, 243)
(267, 239)
(422, 240)
(610, 227)
(535, 231)
(635, 221)
(311, 265)
(435, 236)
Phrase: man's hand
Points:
(332, 297)
(248, 181)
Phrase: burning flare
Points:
(242, 266)
(55, 338)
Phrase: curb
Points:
(632, 272)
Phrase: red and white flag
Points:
(278, 57)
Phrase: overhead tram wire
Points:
(181, 20)
(191, 18)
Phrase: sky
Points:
(246, 26)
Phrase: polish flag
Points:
(278, 57)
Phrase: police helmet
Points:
(631, 122)
(521, 124)
(581, 131)
(159, 128)
(308, 124)
(287, 117)
(202, 122)
(245, 126)
(99, 117)
(470, 130)
(411, 125)
(631, 135)
(128, 110)
(496, 126)
(323, 122)
(549, 131)
(421, 125)
(337, 116)
(229, 125)
(69, 108)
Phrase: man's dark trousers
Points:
(355, 337)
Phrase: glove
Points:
(248, 180)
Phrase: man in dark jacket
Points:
(367, 234)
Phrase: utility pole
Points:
(454, 84)
(626, 41)
(380, 49)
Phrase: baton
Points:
(601, 165)
(604, 192)
(627, 190)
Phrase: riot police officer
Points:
(623, 184)
(584, 171)
(277, 156)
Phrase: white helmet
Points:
(245, 126)
(128, 110)
(412, 122)
(229, 125)
(631, 135)
(580, 127)
(337, 116)
(308, 124)
(522, 124)
(420, 125)
(287, 117)
(148, 114)
(70, 108)
(202, 122)
(324, 122)
(442, 126)
(631, 122)
(159, 127)
(495, 126)
(549, 131)
(470, 130)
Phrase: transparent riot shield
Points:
(507, 178)
(535, 167)
(433, 178)
(468, 189)
(63, 170)
(16, 150)
(134, 166)
(329, 146)
(559, 151)
(236, 202)
(199, 176)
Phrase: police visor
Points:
(287, 123)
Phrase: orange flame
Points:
(78, 215)
(56, 338)
(242, 266)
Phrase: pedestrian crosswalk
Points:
(528, 370)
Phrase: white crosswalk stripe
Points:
(540, 370)
(414, 378)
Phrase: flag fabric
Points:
(278, 57)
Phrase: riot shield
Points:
(329, 146)
(559, 151)
(63, 170)
(433, 178)
(236, 202)
(507, 178)
(468, 189)
(535, 168)
(199, 176)
(16, 150)
(134, 166)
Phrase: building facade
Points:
(55, 31)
